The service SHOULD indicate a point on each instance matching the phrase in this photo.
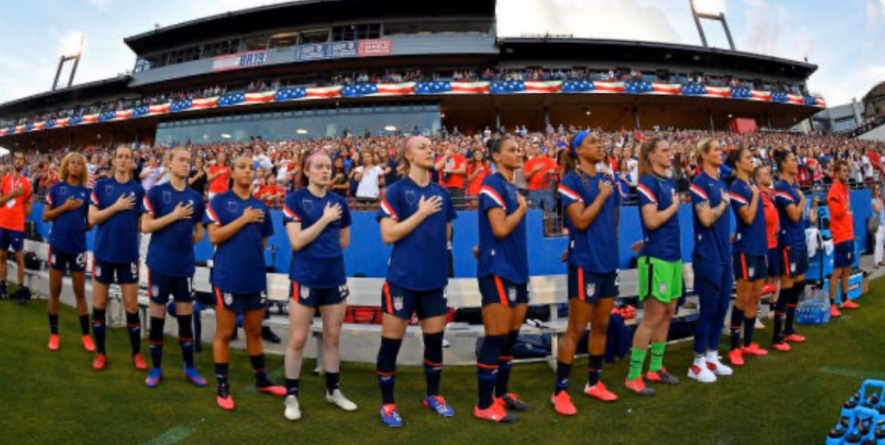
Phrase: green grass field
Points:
(789, 398)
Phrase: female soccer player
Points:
(842, 228)
(503, 275)
(66, 209)
(792, 249)
(660, 265)
(115, 209)
(750, 255)
(416, 217)
(239, 225)
(318, 224)
(710, 260)
(172, 215)
(591, 204)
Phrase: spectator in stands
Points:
(477, 170)
(369, 178)
(150, 172)
(453, 168)
(197, 179)
(219, 176)
(537, 170)
(270, 192)
(339, 177)
(879, 240)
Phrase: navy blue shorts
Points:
(110, 273)
(750, 267)
(589, 287)
(774, 265)
(495, 289)
(161, 286)
(793, 262)
(843, 255)
(314, 296)
(402, 302)
(12, 238)
(63, 262)
(240, 302)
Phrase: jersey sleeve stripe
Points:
(568, 193)
(94, 198)
(49, 199)
(388, 210)
(290, 214)
(738, 198)
(147, 205)
(647, 193)
(491, 193)
(784, 195)
(213, 216)
(700, 192)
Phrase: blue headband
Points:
(577, 141)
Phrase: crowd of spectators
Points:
(409, 75)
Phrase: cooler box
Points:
(855, 287)
(814, 263)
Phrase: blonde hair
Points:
(703, 147)
(645, 150)
(63, 168)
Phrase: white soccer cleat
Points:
(337, 398)
(718, 368)
(701, 373)
(293, 411)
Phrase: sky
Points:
(845, 38)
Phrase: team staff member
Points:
(750, 255)
(416, 217)
(593, 260)
(172, 215)
(763, 179)
(711, 261)
(503, 275)
(16, 204)
(115, 209)
(792, 249)
(659, 264)
(66, 209)
(842, 228)
(239, 226)
(318, 225)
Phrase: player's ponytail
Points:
(645, 150)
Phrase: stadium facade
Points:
(304, 45)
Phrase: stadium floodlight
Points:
(70, 48)
(225, 136)
(301, 131)
(390, 128)
(710, 10)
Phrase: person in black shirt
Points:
(197, 177)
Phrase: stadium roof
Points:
(305, 12)
(540, 48)
(91, 91)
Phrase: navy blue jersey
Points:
(792, 234)
(319, 264)
(239, 261)
(506, 258)
(710, 243)
(663, 242)
(68, 234)
(596, 247)
(750, 239)
(171, 250)
(116, 239)
(419, 261)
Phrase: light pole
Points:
(710, 10)
(70, 49)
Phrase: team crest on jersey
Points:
(155, 290)
(63, 190)
(233, 207)
(307, 204)
(398, 303)
(591, 289)
(751, 272)
(305, 292)
(411, 197)
(511, 294)
(167, 197)
(662, 288)
(108, 189)
(228, 299)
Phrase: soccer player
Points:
(239, 225)
(659, 264)
(16, 204)
(416, 218)
(842, 228)
(711, 261)
(318, 225)
(792, 249)
(172, 215)
(750, 255)
(115, 209)
(503, 274)
(591, 205)
(67, 210)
